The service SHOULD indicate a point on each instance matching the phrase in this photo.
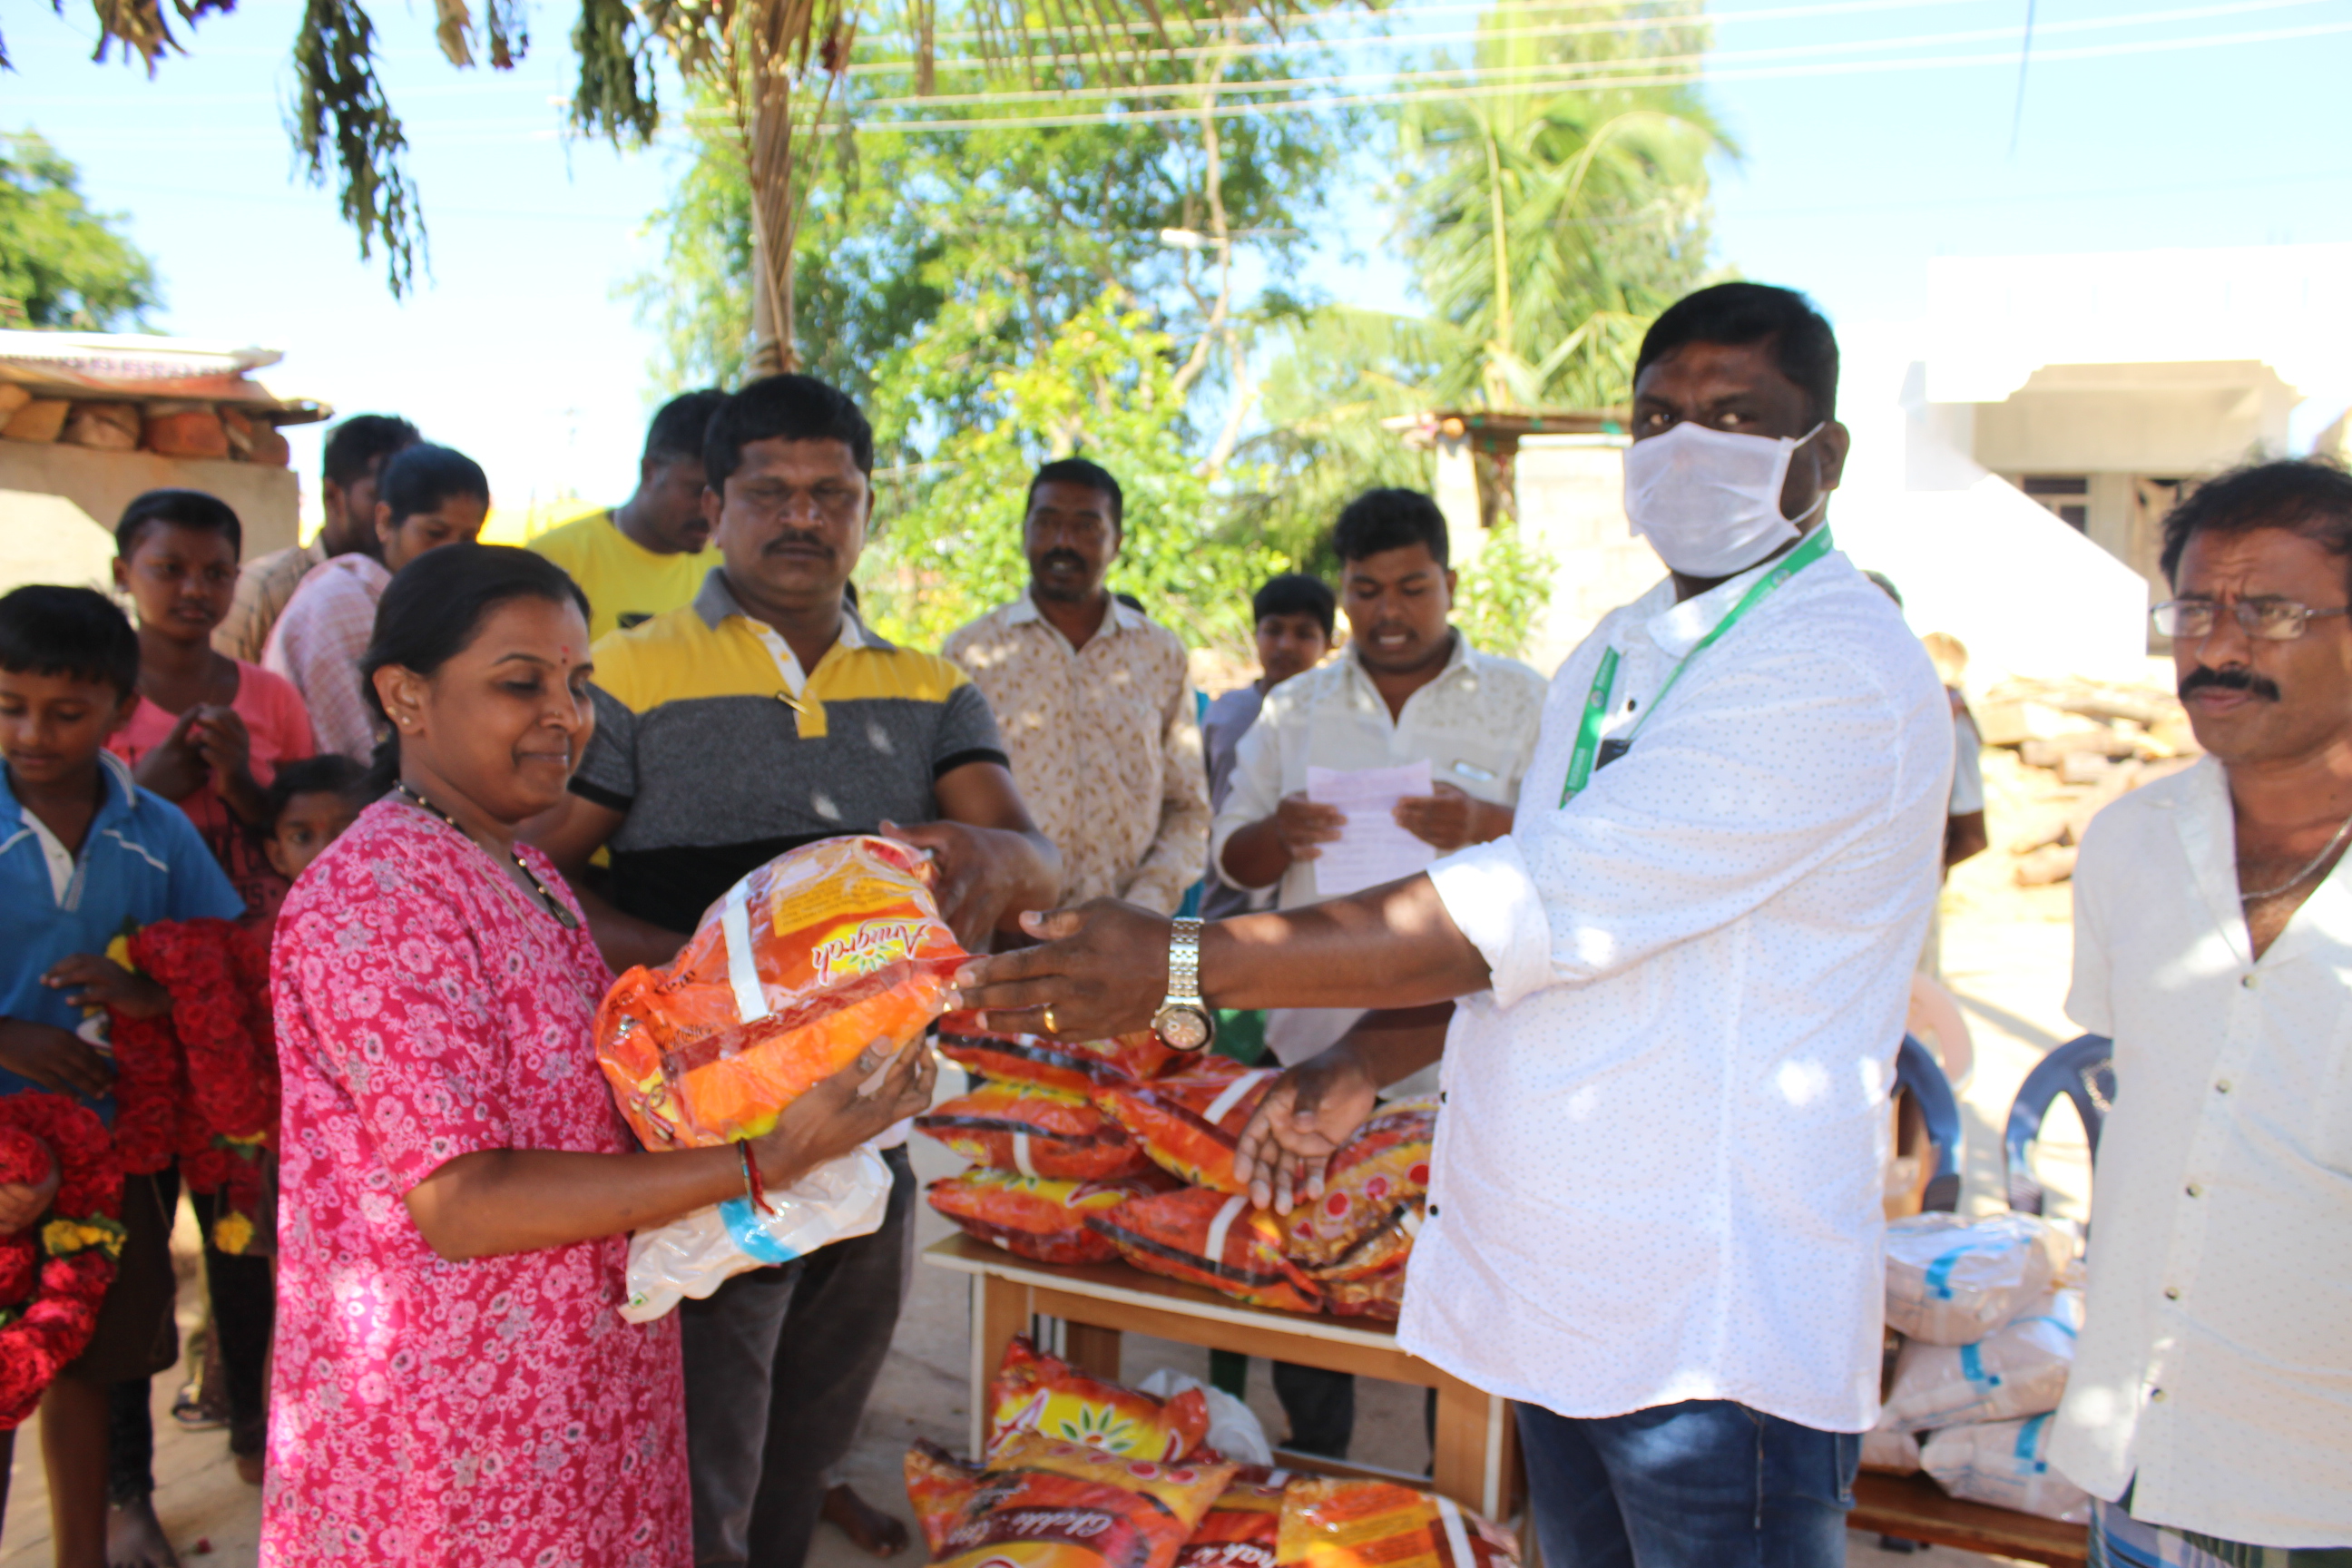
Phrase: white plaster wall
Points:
(48, 538)
(1974, 557)
(1571, 496)
(100, 484)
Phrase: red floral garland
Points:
(53, 1277)
(201, 1085)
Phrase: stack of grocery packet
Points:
(1080, 1473)
(1986, 1314)
(1124, 1148)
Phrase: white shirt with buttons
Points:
(1658, 1176)
(1474, 725)
(2214, 1373)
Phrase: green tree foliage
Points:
(1336, 373)
(951, 544)
(1550, 225)
(1501, 596)
(62, 264)
(947, 279)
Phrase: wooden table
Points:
(1476, 1445)
(1915, 1509)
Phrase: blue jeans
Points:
(1705, 1484)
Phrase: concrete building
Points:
(2015, 448)
(90, 420)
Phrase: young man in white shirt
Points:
(1409, 688)
(2210, 1404)
(1654, 1218)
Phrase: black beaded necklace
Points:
(556, 907)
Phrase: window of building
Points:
(2067, 496)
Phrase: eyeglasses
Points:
(2269, 620)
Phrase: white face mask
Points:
(1709, 501)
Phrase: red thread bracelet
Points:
(753, 1188)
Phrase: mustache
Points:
(2230, 678)
(784, 542)
(1069, 558)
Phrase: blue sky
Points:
(518, 348)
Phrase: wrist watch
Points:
(1184, 1022)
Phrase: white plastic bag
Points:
(1883, 1450)
(2005, 1463)
(696, 1255)
(1951, 1282)
(1234, 1430)
(2020, 1369)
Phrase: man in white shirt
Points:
(1654, 1218)
(2210, 1404)
(1409, 688)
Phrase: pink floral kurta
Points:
(492, 1412)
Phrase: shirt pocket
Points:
(1476, 765)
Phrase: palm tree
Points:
(1551, 225)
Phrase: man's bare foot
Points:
(135, 1539)
(875, 1532)
(248, 1469)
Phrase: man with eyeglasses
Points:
(763, 715)
(2211, 1405)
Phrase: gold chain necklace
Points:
(556, 907)
(2315, 863)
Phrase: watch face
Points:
(1182, 1028)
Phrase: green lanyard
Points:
(1604, 681)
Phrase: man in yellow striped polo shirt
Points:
(763, 715)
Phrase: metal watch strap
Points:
(1184, 961)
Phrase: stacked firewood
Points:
(2078, 746)
(169, 427)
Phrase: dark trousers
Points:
(1321, 1406)
(779, 1363)
(1704, 1484)
(245, 1314)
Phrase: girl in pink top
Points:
(208, 730)
(454, 1385)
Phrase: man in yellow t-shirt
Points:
(649, 554)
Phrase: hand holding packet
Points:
(805, 962)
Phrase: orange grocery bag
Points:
(1191, 1121)
(1045, 1504)
(1037, 1392)
(1329, 1524)
(822, 951)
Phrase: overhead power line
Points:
(1650, 21)
(1586, 84)
(1606, 72)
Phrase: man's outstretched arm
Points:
(1103, 967)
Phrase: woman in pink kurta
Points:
(494, 1410)
(455, 1387)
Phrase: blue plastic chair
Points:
(1919, 1074)
(2084, 1071)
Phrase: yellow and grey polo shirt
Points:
(721, 764)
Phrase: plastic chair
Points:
(2084, 1070)
(1918, 1072)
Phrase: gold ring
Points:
(1051, 1027)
